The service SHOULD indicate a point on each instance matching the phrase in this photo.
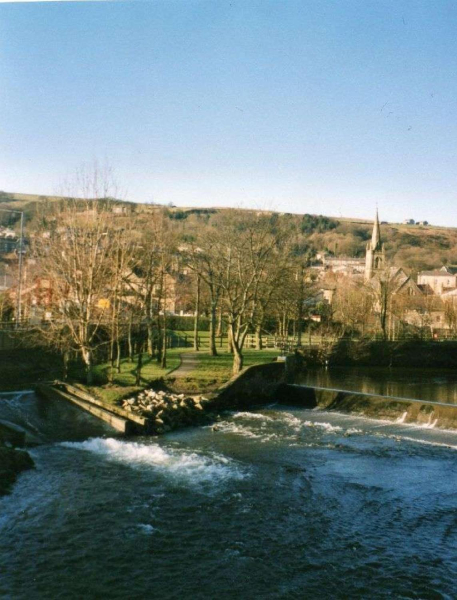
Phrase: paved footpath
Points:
(189, 361)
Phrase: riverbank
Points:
(187, 372)
(158, 409)
(12, 463)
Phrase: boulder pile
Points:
(166, 411)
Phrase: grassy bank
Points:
(20, 369)
(124, 383)
(211, 372)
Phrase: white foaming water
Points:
(405, 438)
(425, 433)
(326, 426)
(430, 424)
(179, 464)
(234, 428)
(291, 420)
(353, 431)
(402, 418)
(249, 415)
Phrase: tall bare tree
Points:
(76, 245)
(242, 250)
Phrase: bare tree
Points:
(241, 253)
(353, 305)
(76, 245)
(201, 259)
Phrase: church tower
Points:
(375, 259)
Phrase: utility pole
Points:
(19, 283)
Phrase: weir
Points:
(404, 410)
(263, 384)
(116, 417)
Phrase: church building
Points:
(375, 258)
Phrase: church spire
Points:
(375, 258)
(376, 236)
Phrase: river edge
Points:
(258, 385)
(155, 411)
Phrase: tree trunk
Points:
(237, 359)
(65, 366)
(139, 366)
(219, 323)
(197, 315)
(150, 328)
(163, 360)
(300, 327)
(111, 351)
(229, 340)
(258, 338)
(129, 340)
(118, 356)
(87, 359)
(212, 330)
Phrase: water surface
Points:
(275, 503)
(422, 384)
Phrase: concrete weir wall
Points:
(381, 407)
(114, 416)
(273, 382)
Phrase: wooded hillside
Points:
(411, 246)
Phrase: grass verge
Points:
(211, 372)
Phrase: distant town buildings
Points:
(440, 281)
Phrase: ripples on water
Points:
(269, 504)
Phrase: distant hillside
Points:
(412, 246)
(415, 247)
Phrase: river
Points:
(422, 384)
(274, 503)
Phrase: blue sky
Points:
(301, 106)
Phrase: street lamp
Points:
(21, 245)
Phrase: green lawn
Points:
(123, 383)
(210, 373)
(22, 368)
(213, 371)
